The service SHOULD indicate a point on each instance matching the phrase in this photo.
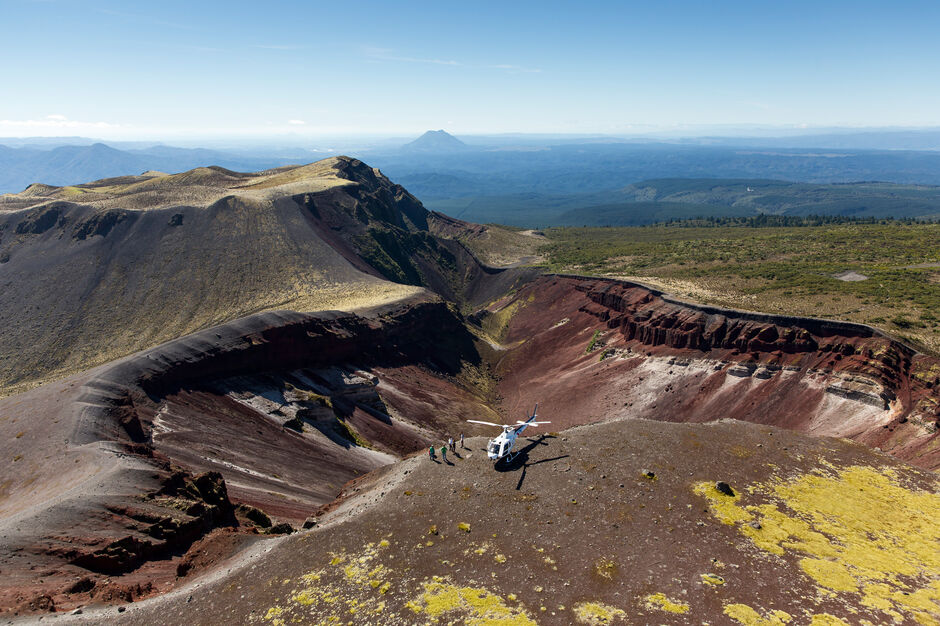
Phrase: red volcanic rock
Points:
(269, 412)
(668, 360)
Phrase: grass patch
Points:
(783, 269)
(593, 342)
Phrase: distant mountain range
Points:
(546, 181)
(73, 164)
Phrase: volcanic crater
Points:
(164, 484)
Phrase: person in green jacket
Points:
(444, 453)
(431, 453)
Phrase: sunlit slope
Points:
(616, 523)
(97, 271)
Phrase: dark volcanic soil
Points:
(619, 520)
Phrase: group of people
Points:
(451, 444)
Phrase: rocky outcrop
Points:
(653, 318)
(161, 524)
(99, 224)
(660, 358)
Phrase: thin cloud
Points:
(296, 122)
(385, 54)
(516, 69)
(145, 19)
(53, 121)
(286, 48)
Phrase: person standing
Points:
(444, 453)
(431, 453)
(450, 444)
(462, 447)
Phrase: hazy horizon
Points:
(208, 71)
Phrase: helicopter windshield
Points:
(493, 447)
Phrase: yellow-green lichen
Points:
(474, 606)
(597, 613)
(605, 569)
(859, 533)
(661, 602)
(830, 574)
(743, 614)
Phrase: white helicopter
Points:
(501, 446)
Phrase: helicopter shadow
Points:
(520, 459)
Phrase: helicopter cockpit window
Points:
(494, 448)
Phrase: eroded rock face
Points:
(630, 351)
(184, 509)
(285, 406)
(99, 224)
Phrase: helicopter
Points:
(500, 447)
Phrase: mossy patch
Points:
(860, 534)
(351, 584)
(825, 619)
(442, 599)
(598, 613)
(606, 569)
(743, 614)
(661, 602)
(496, 324)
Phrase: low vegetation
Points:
(885, 273)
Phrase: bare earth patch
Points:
(850, 276)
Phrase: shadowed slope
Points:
(94, 272)
(120, 480)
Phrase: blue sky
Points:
(191, 69)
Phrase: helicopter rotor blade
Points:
(487, 423)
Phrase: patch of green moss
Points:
(661, 602)
(474, 606)
(598, 613)
(859, 532)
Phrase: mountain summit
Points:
(435, 141)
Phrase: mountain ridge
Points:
(121, 264)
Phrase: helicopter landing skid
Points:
(508, 458)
